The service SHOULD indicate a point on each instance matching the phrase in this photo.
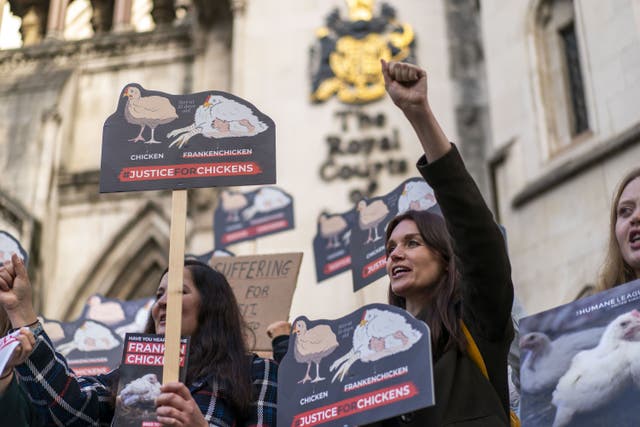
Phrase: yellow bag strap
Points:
(474, 354)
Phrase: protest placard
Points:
(370, 365)
(263, 286)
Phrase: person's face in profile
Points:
(190, 305)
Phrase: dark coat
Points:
(464, 397)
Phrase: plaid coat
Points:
(63, 399)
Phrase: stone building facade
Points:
(493, 81)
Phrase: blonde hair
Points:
(615, 270)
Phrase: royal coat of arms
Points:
(346, 59)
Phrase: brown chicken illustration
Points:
(232, 203)
(312, 345)
(370, 216)
(151, 111)
(331, 227)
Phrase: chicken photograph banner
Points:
(141, 377)
(368, 256)
(370, 365)
(263, 286)
(158, 141)
(580, 362)
(331, 244)
(247, 216)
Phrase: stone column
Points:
(55, 23)
(122, 15)
(102, 18)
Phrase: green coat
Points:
(17, 408)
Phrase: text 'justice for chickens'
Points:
(199, 170)
(354, 405)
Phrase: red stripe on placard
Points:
(374, 266)
(343, 262)
(355, 405)
(256, 230)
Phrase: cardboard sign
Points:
(368, 256)
(580, 362)
(247, 216)
(140, 379)
(370, 365)
(10, 245)
(263, 286)
(331, 244)
(157, 141)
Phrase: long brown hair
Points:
(615, 270)
(218, 350)
(444, 312)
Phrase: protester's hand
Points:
(406, 84)
(26, 344)
(176, 407)
(276, 329)
(15, 292)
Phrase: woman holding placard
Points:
(453, 273)
(622, 263)
(225, 384)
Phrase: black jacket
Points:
(464, 397)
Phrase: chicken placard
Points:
(368, 256)
(156, 141)
(367, 366)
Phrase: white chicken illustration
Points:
(311, 346)
(107, 312)
(151, 111)
(139, 321)
(597, 376)
(219, 117)
(545, 361)
(142, 391)
(91, 336)
(417, 196)
(232, 203)
(370, 216)
(379, 334)
(8, 246)
(331, 227)
(266, 200)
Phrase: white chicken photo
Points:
(379, 334)
(580, 362)
(219, 117)
(141, 392)
(598, 376)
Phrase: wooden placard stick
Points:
(171, 368)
